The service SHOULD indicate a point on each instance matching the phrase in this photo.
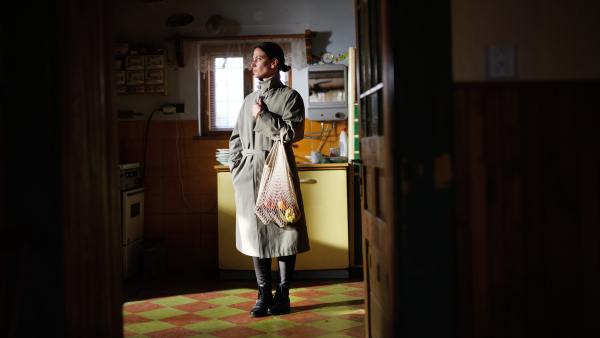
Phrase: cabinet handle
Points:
(308, 180)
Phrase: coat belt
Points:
(250, 152)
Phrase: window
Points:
(226, 92)
(224, 88)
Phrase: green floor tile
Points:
(236, 291)
(298, 290)
(335, 311)
(209, 326)
(138, 336)
(266, 335)
(296, 299)
(148, 327)
(131, 303)
(336, 298)
(272, 324)
(334, 335)
(219, 312)
(204, 335)
(337, 289)
(227, 300)
(334, 324)
(161, 313)
(125, 313)
(174, 301)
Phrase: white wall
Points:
(143, 26)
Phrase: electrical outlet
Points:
(168, 108)
(502, 62)
(174, 108)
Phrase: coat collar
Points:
(273, 82)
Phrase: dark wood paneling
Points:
(89, 158)
(528, 192)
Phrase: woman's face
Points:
(262, 67)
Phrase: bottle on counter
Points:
(343, 143)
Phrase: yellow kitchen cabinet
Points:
(324, 191)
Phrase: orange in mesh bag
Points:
(276, 201)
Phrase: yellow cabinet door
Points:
(326, 211)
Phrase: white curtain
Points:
(295, 55)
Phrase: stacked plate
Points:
(223, 156)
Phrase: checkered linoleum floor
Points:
(319, 308)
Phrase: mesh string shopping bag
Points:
(276, 201)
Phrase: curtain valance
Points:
(294, 50)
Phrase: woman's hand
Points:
(257, 108)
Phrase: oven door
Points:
(132, 220)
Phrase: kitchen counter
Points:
(301, 167)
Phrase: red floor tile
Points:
(243, 319)
(134, 319)
(357, 331)
(237, 332)
(310, 294)
(250, 295)
(355, 317)
(246, 306)
(175, 332)
(357, 293)
(360, 285)
(194, 307)
(129, 333)
(188, 318)
(205, 295)
(301, 331)
(141, 307)
(304, 317)
(307, 305)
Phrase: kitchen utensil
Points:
(316, 156)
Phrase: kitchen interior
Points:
(177, 160)
(188, 194)
(522, 173)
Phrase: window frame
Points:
(220, 51)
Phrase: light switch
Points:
(502, 62)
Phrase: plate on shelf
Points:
(340, 159)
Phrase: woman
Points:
(264, 113)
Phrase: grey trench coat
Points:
(249, 146)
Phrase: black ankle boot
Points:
(264, 300)
(281, 302)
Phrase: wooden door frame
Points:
(61, 216)
(420, 264)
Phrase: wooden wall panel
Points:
(528, 201)
(90, 197)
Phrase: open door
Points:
(376, 230)
(403, 89)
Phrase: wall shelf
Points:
(143, 74)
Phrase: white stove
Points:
(132, 218)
